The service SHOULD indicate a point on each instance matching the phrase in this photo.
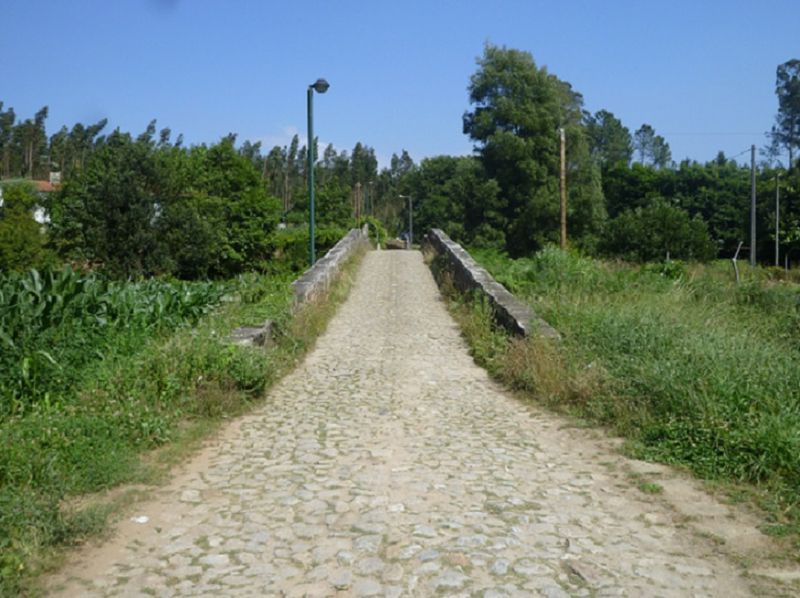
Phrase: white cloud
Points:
(283, 138)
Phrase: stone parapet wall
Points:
(467, 275)
(317, 280)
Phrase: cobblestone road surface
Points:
(388, 464)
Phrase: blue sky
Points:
(702, 73)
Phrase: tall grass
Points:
(693, 368)
(53, 325)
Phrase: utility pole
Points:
(563, 189)
(777, 219)
(753, 205)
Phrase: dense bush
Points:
(140, 209)
(658, 231)
(290, 246)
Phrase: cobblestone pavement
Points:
(388, 464)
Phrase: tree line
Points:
(626, 196)
(142, 205)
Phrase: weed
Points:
(690, 367)
(651, 488)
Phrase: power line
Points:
(741, 134)
(739, 154)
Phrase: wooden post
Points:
(753, 206)
(777, 220)
(563, 189)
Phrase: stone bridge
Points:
(389, 464)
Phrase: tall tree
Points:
(82, 142)
(651, 148)
(518, 109)
(107, 213)
(363, 164)
(609, 140)
(453, 193)
(400, 166)
(59, 149)
(786, 130)
(30, 143)
(7, 120)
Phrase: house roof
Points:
(40, 186)
(44, 186)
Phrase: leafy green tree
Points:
(233, 198)
(454, 194)
(22, 239)
(59, 150)
(106, 213)
(333, 204)
(658, 231)
(518, 109)
(786, 131)
(651, 148)
(363, 164)
(400, 166)
(83, 141)
(609, 140)
(718, 192)
(252, 152)
(629, 187)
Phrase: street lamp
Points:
(410, 220)
(320, 86)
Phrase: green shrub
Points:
(658, 231)
(696, 369)
(290, 246)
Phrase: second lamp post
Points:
(320, 86)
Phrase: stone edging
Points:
(509, 312)
(317, 279)
(313, 282)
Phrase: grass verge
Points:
(137, 414)
(692, 369)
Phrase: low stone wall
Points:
(509, 312)
(317, 280)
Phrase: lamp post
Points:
(410, 220)
(320, 86)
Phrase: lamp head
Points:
(320, 86)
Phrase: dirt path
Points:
(389, 464)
